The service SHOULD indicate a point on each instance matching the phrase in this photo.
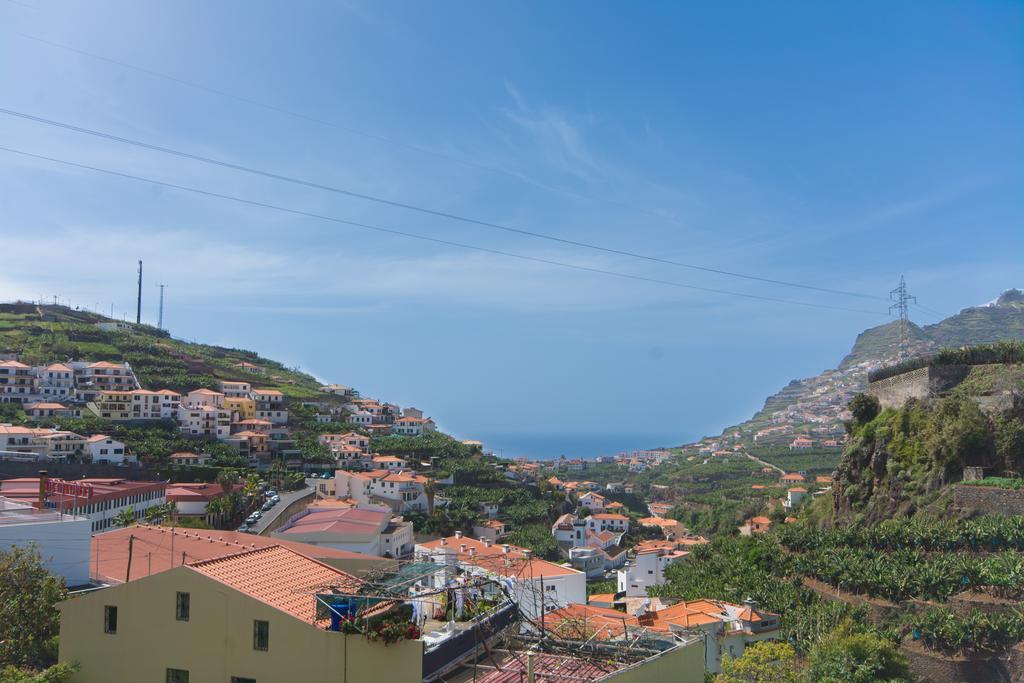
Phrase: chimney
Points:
(505, 548)
(43, 479)
(462, 548)
(444, 541)
(527, 553)
(487, 543)
(751, 603)
(472, 552)
(458, 534)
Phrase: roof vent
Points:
(458, 534)
(462, 547)
(488, 543)
(505, 548)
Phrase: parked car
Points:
(243, 528)
(276, 499)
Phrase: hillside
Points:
(817, 405)
(41, 334)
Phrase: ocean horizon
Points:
(548, 446)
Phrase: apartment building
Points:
(371, 532)
(61, 539)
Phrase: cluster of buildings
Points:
(252, 419)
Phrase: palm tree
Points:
(125, 517)
(228, 479)
(155, 514)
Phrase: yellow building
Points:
(245, 407)
(245, 618)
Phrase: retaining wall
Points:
(989, 499)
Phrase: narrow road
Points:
(287, 497)
(762, 462)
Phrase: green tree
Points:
(849, 656)
(865, 408)
(764, 662)
(58, 673)
(125, 517)
(28, 620)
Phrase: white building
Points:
(400, 491)
(647, 569)
(103, 448)
(413, 426)
(537, 586)
(593, 501)
(61, 539)
(608, 521)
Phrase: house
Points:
(593, 501)
(240, 407)
(204, 420)
(759, 525)
(726, 628)
(647, 568)
(103, 448)
(794, 497)
(413, 426)
(98, 500)
(615, 487)
(659, 509)
(370, 532)
(823, 479)
(336, 389)
(556, 483)
(800, 443)
(561, 585)
(15, 439)
(192, 499)
(62, 540)
(92, 378)
(249, 616)
(59, 444)
(235, 389)
(490, 530)
(670, 528)
(792, 478)
(270, 405)
(388, 462)
(55, 382)
(607, 521)
(189, 458)
(400, 491)
(358, 441)
(17, 385)
(204, 397)
(39, 411)
(249, 368)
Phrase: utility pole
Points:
(138, 305)
(160, 322)
(900, 296)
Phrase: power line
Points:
(391, 231)
(413, 207)
(332, 124)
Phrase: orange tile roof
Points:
(761, 520)
(45, 406)
(154, 551)
(610, 516)
(278, 577)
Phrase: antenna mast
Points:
(160, 323)
(900, 296)
(138, 305)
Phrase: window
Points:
(181, 606)
(261, 635)
(177, 676)
(109, 619)
(239, 679)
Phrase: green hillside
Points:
(40, 334)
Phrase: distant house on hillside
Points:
(250, 368)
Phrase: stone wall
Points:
(990, 500)
(929, 666)
(893, 392)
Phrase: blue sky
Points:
(837, 145)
